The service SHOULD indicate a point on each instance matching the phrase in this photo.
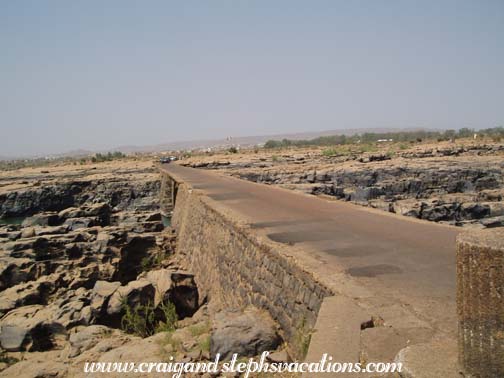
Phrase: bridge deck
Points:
(393, 257)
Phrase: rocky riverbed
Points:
(459, 184)
(92, 274)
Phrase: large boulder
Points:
(31, 328)
(28, 293)
(366, 194)
(85, 338)
(42, 219)
(247, 333)
(72, 308)
(493, 222)
(99, 212)
(176, 287)
(81, 222)
(474, 211)
(32, 200)
(27, 232)
(438, 210)
(37, 365)
(42, 327)
(162, 282)
(101, 293)
(137, 248)
(153, 289)
(134, 294)
(50, 230)
(14, 271)
(123, 348)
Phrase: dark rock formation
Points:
(120, 194)
(459, 195)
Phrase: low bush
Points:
(145, 320)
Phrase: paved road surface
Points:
(411, 260)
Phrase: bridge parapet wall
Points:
(480, 302)
(167, 195)
(234, 268)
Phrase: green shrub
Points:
(302, 338)
(138, 320)
(146, 263)
(367, 148)
(142, 320)
(204, 344)
(150, 262)
(329, 152)
(199, 329)
(403, 146)
(170, 318)
(175, 342)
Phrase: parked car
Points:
(167, 159)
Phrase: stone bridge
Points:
(353, 282)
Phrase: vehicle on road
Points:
(167, 159)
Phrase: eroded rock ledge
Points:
(457, 185)
(92, 274)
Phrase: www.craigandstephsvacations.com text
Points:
(243, 366)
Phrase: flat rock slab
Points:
(435, 359)
(337, 333)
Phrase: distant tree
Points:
(402, 136)
(109, 156)
(272, 144)
(465, 132)
(286, 142)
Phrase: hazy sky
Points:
(99, 74)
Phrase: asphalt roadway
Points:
(412, 260)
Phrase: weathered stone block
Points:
(480, 302)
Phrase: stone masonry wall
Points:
(480, 302)
(235, 269)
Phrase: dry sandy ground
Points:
(27, 177)
(318, 156)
